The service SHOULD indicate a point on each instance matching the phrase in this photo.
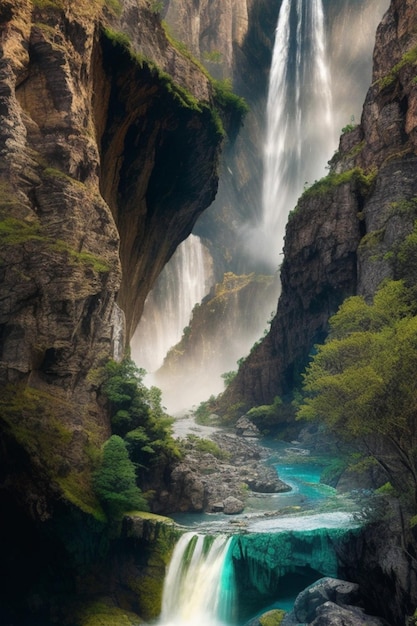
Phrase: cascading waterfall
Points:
(199, 586)
(300, 134)
(185, 280)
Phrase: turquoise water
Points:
(281, 542)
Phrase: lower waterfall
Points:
(199, 586)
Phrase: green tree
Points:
(115, 480)
(137, 415)
(362, 382)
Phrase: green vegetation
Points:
(203, 413)
(115, 481)
(215, 56)
(349, 127)
(406, 258)
(361, 383)
(114, 6)
(103, 612)
(333, 180)
(272, 618)
(137, 418)
(225, 97)
(270, 418)
(15, 232)
(228, 377)
(409, 58)
(117, 38)
(204, 446)
(37, 422)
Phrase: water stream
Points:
(300, 131)
(227, 569)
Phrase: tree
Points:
(115, 480)
(362, 382)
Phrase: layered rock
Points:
(109, 150)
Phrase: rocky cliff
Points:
(340, 235)
(109, 143)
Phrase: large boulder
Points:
(324, 590)
(330, 602)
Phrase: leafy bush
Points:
(115, 481)
(361, 383)
(137, 414)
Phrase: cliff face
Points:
(109, 150)
(339, 235)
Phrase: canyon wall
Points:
(339, 236)
(109, 142)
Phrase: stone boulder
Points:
(233, 505)
(246, 428)
(330, 602)
(323, 590)
(331, 614)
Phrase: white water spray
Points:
(300, 134)
(185, 280)
(199, 587)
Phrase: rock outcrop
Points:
(219, 481)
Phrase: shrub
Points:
(115, 480)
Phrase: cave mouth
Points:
(252, 602)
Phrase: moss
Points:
(81, 258)
(32, 418)
(272, 618)
(372, 239)
(409, 58)
(225, 96)
(14, 231)
(103, 612)
(114, 6)
(117, 38)
(334, 180)
(161, 538)
(404, 207)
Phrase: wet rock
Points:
(325, 589)
(330, 602)
(331, 614)
(233, 506)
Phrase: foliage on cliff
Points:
(141, 439)
(362, 381)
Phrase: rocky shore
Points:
(218, 477)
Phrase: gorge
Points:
(116, 145)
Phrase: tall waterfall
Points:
(185, 280)
(300, 134)
(199, 585)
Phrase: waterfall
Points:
(199, 585)
(300, 134)
(185, 280)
